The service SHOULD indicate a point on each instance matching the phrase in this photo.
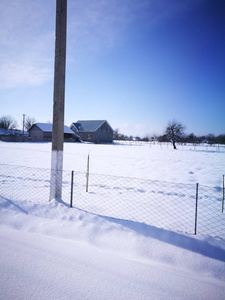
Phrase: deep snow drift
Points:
(49, 250)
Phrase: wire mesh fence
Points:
(211, 219)
(24, 183)
(187, 208)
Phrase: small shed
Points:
(42, 132)
(95, 131)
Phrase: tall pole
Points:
(23, 123)
(58, 100)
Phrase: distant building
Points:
(13, 135)
(42, 132)
(94, 131)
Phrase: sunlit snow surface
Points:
(49, 250)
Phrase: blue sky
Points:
(138, 64)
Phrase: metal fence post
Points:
(71, 195)
(196, 209)
(223, 196)
(87, 175)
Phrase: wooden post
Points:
(223, 196)
(196, 209)
(87, 175)
(71, 194)
(58, 100)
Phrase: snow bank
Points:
(133, 240)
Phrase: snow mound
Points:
(135, 241)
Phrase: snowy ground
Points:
(50, 251)
(189, 164)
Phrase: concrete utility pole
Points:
(58, 100)
(23, 123)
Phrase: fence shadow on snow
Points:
(189, 208)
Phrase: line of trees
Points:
(123, 137)
(9, 123)
(193, 139)
(175, 133)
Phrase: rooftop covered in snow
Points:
(47, 127)
(89, 125)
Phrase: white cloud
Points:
(15, 74)
(134, 130)
(27, 31)
(27, 43)
(96, 26)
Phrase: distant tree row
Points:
(193, 139)
(122, 137)
(174, 134)
(9, 123)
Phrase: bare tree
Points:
(211, 138)
(174, 132)
(8, 122)
(29, 122)
(116, 134)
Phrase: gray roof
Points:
(89, 126)
(47, 127)
(4, 131)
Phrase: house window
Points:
(101, 128)
(89, 136)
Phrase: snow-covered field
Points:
(49, 250)
(190, 164)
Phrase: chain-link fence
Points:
(24, 183)
(190, 208)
